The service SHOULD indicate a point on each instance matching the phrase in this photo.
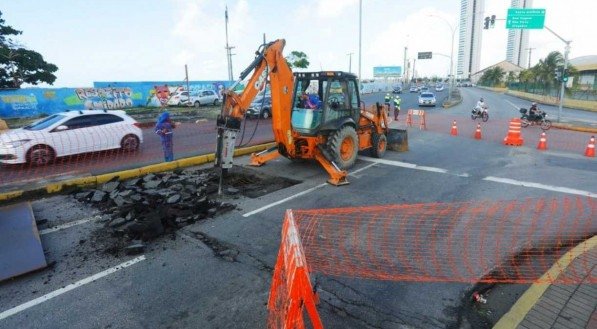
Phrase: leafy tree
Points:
(297, 59)
(19, 65)
(492, 76)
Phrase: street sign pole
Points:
(562, 88)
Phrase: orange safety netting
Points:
(475, 241)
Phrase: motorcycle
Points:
(538, 119)
(483, 114)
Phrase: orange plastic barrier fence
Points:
(482, 241)
(291, 289)
(416, 113)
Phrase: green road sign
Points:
(519, 18)
(424, 55)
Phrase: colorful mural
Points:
(29, 102)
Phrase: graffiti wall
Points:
(29, 102)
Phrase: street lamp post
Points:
(453, 30)
(349, 62)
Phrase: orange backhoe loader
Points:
(315, 115)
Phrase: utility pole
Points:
(186, 75)
(349, 62)
(360, 34)
(405, 76)
(228, 49)
(530, 50)
(414, 72)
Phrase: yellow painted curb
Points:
(192, 161)
(158, 167)
(10, 195)
(574, 128)
(132, 173)
(524, 304)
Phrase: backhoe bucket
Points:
(397, 140)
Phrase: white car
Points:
(69, 133)
(203, 97)
(439, 88)
(427, 99)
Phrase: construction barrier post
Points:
(419, 113)
(514, 137)
(291, 289)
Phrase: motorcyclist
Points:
(480, 106)
(534, 112)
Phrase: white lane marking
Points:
(413, 166)
(513, 105)
(68, 288)
(67, 225)
(541, 186)
(284, 200)
(298, 194)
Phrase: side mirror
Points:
(61, 128)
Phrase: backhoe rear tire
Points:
(380, 145)
(344, 146)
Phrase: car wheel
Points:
(129, 143)
(215, 102)
(266, 114)
(197, 104)
(40, 155)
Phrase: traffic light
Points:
(486, 26)
(565, 75)
(492, 21)
(557, 74)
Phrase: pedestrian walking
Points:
(165, 129)
(396, 107)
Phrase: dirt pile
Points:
(142, 209)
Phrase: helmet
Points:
(481, 99)
(533, 104)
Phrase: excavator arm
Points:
(268, 63)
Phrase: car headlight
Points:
(15, 144)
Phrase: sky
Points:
(150, 40)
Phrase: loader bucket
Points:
(397, 140)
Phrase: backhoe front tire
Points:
(344, 147)
(380, 145)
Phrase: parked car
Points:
(397, 90)
(69, 133)
(414, 89)
(203, 97)
(260, 107)
(427, 99)
(178, 98)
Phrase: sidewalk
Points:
(568, 302)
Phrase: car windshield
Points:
(44, 123)
(427, 95)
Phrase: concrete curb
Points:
(452, 104)
(575, 128)
(525, 303)
(88, 181)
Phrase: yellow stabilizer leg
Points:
(337, 176)
(259, 159)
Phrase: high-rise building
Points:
(518, 40)
(469, 44)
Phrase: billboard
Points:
(387, 71)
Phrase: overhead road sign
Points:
(425, 55)
(387, 71)
(525, 18)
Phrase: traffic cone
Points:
(542, 142)
(590, 151)
(454, 131)
(478, 131)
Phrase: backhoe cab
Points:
(315, 115)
